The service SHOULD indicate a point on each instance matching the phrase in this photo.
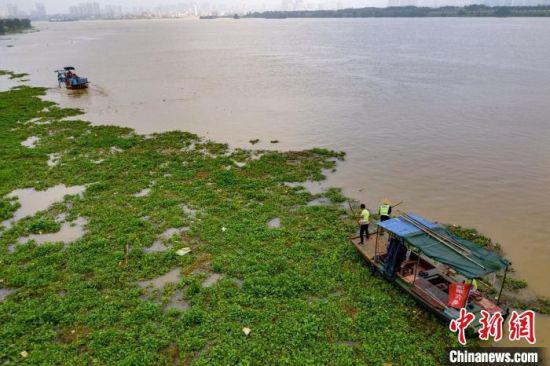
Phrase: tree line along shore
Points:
(14, 25)
(411, 12)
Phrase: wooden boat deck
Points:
(367, 248)
(431, 288)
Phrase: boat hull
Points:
(435, 306)
(78, 87)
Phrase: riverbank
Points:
(411, 12)
(184, 243)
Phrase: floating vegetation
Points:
(40, 225)
(255, 141)
(335, 195)
(67, 233)
(514, 294)
(12, 75)
(474, 236)
(134, 307)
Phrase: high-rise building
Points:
(13, 11)
(85, 10)
(112, 11)
(39, 12)
(285, 5)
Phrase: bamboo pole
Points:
(450, 240)
(355, 216)
(397, 204)
(416, 268)
(441, 240)
(375, 246)
(502, 286)
(447, 238)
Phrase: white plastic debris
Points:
(246, 331)
(224, 228)
(183, 251)
(24, 354)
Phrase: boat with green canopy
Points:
(439, 269)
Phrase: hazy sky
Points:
(61, 6)
(54, 6)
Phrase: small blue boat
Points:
(68, 76)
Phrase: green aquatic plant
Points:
(14, 25)
(301, 289)
(474, 236)
(512, 297)
(335, 195)
(513, 284)
(12, 75)
(8, 207)
(40, 225)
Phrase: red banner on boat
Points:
(458, 294)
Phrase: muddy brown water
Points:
(33, 201)
(4, 292)
(70, 231)
(174, 276)
(449, 115)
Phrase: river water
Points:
(451, 116)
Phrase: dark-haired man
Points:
(364, 223)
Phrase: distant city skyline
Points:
(116, 8)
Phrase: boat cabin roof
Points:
(438, 243)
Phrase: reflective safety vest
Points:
(384, 210)
(365, 216)
(472, 282)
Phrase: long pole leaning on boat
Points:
(440, 239)
(452, 244)
(355, 216)
(448, 239)
(397, 204)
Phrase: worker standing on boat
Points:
(364, 222)
(384, 210)
(473, 286)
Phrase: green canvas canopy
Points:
(471, 260)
